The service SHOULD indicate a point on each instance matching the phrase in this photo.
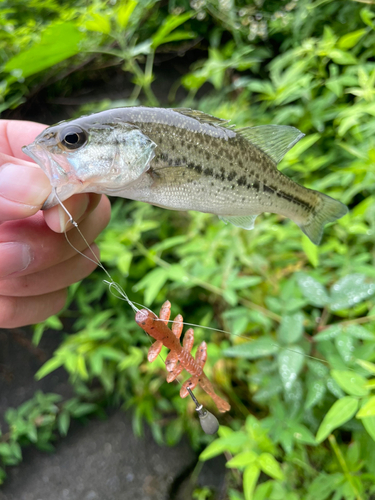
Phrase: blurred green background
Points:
(298, 363)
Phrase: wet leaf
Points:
(264, 346)
(312, 290)
(329, 333)
(291, 328)
(290, 363)
(359, 332)
(350, 382)
(316, 390)
(340, 412)
(350, 291)
(345, 346)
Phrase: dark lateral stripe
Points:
(295, 200)
(267, 189)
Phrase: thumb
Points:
(23, 188)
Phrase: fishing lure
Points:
(179, 357)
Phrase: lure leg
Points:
(188, 341)
(165, 313)
(172, 358)
(191, 383)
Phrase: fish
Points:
(181, 159)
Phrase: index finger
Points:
(17, 133)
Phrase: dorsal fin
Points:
(203, 117)
(274, 140)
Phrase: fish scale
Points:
(181, 159)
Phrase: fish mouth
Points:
(62, 188)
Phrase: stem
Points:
(363, 319)
(343, 464)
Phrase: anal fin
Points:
(244, 221)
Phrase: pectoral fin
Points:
(244, 221)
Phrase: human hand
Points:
(36, 262)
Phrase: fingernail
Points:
(77, 212)
(14, 257)
(22, 184)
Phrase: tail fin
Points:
(328, 210)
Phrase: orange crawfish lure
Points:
(179, 357)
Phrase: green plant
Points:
(297, 366)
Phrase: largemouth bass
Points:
(181, 159)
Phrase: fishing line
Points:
(96, 260)
(123, 295)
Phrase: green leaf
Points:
(63, 422)
(250, 478)
(242, 460)
(367, 365)
(290, 362)
(349, 40)
(369, 425)
(316, 390)
(48, 367)
(233, 443)
(350, 291)
(340, 412)
(98, 23)
(350, 382)
(270, 466)
(152, 283)
(124, 12)
(259, 348)
(367, 16)
(303, 435)
(359, 332)
(368, 409)
(329, 333)
(323, 486)
(291, 328)
(312, 290)
(342, 57)
(84, 409)
(169, 24)
(345, 345)
(59, 42)
(311, 250)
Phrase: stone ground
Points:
(101, 460)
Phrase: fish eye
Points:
(72, 137)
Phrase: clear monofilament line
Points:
(111, 283)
